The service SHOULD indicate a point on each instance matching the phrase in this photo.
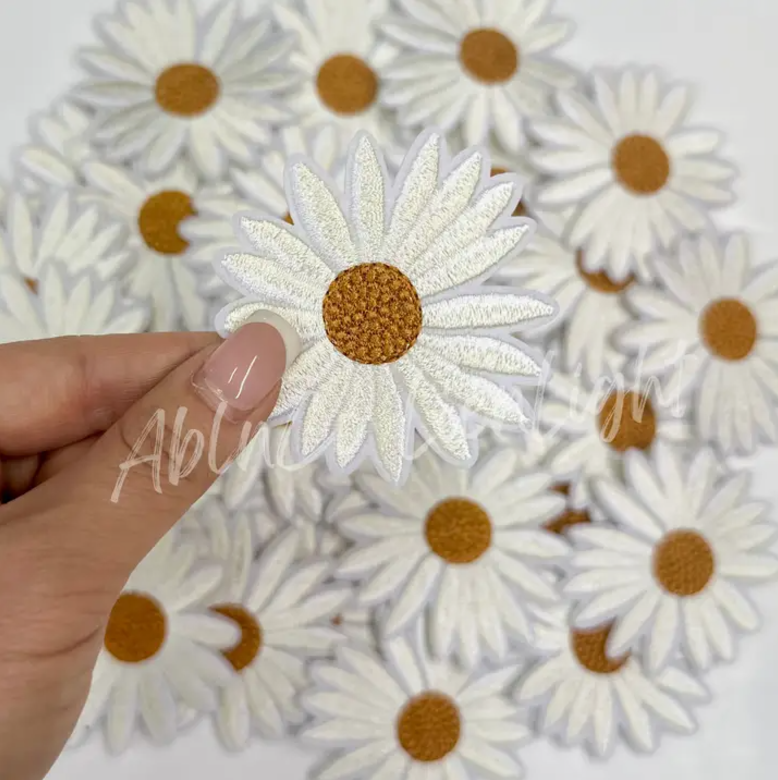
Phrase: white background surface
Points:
(727, 48)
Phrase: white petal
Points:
(623, 508)
(441, 420)
(121, 715)
(416, 594)
(270, 281)
(415, 191)
(233, 720)
(637, 721)
(315, 209)
(354, 763)
(664, 633)
(489, 310)
(482, 396)
(541, 680)
(669, 710)
(157, 708)
(272, 567)
(608, 605)
(444, 207)
(279, 244)
(471, 226)
(324, 407)
(355, 416)
(697, 643)
(389, 423)
(735, 604)
(632, 625)
(719, 633)
(477, 260)
(308, 371)
(366, 198)
(482, 353)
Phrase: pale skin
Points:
(70, 411)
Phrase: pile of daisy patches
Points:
(494, 502)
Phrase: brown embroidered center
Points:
(160, 218)
(590, 650)
(567, 519)
(627, 421)
(136, 628)
(429, 727)
(489, 56)
(599, 280)
(683, 563)
(347, 84)
(250, 643)
(729, 329)
(458, 530)
(641, 164)
(288, 219)
(372, 313)
(32, 284)
(187, 89)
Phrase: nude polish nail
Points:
(248, 366)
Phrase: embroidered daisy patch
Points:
(479, 67)
(637, 174)
(153, 211)
(710, 329)
(406, 716)
(592, 306)
(161, 650)
(594, 425)
(165, 79)
(465, 548)
(384, 287)
(583, 695)
(284, 612)
(688, 540)
(338, 56)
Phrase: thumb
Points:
(109, 509)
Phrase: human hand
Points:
(71, 411)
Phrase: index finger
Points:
(59, 391)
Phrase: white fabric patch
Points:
(445, 229)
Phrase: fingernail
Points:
(248, 366)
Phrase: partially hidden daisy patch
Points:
(161, 653)
(637, 173)
(60, 228)
(402, 715)
(592, 305)
(62, 271)
(66, 303)
(672, 574)
(384, 287)
(153, 211)
(594, 425)
(580, 694)
(58, 147)
(284, 612)
(467, 549)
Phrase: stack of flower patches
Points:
(495, 502)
